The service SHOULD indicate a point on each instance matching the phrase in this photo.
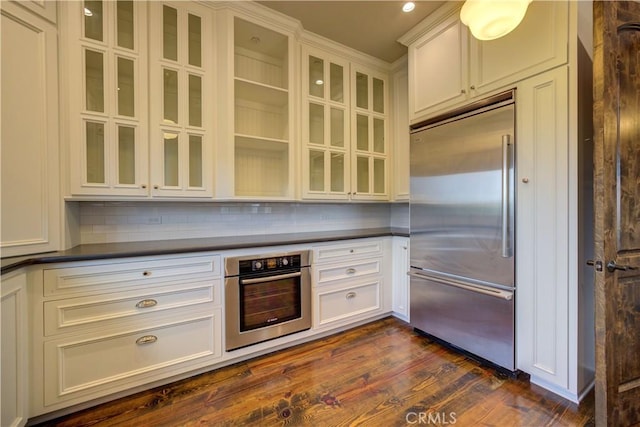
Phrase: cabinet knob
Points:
(147, 339)
(144, 186)
(351, 271)
(155, 187)
(472, 87)
(350, 295)
(463, 91)
(525, 180)
(146, 273)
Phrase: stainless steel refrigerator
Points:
(462, 282)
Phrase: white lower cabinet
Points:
(347, 300)
(115, 358)
(349, 282)
(400, 267)
(14, 365)
(106, 327)
(103, 329)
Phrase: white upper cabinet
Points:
(538, 44)
(105, 52)
(261, 84)
(137, 88)
(448, 66)
(344, 129)
(325, 126)
(182, 99)
(438, 63)
(369, 134)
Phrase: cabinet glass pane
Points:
(170, 88)
(337, 127)
(169, 33)
(125, 23)
(316, 170)
(378, 176)
(195, 161)
(95, 152)
(362, 132)
(195, 40)
(378, 135)
(126, 101)
(195, 100)
(94, 74)
(362, 90)
(336, 78)
(362, 174)
(337, 172)
(93, 20)
(171, 159)
(378, 95)
(316, 124)
(126, 155)
(316, 77)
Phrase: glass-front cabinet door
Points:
(182, 99)
(325, 126)
(369, 149)
(106, 49)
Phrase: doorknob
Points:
(597, 264)
(612, 266)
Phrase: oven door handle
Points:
(270, 278)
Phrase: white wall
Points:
(107, 222)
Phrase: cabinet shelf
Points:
(261, 111)
(260, 142)
(260, 93)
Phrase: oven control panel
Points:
(269, 264)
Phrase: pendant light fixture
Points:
(491, 19)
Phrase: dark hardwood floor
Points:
(379, 374)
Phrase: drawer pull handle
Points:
(350, 295)
(351, 271)
(146, 303)
(147, 339)
(146, 273)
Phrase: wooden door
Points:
(617, 211)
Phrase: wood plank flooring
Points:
(379, 374)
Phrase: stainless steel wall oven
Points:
(266, 297)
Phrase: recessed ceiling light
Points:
(87, 12)
(408, 6)
(319, 82)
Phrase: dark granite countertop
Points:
(164, 247)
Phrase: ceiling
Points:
(372, 27)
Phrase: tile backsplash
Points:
(108, 222)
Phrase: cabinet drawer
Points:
(102, 310)
(330, 273)
(347, 302)
(94, 363)
(352, 249)
(101, 277)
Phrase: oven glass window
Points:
(269, 303)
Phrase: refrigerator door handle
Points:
(506, 240)
(497, 293)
